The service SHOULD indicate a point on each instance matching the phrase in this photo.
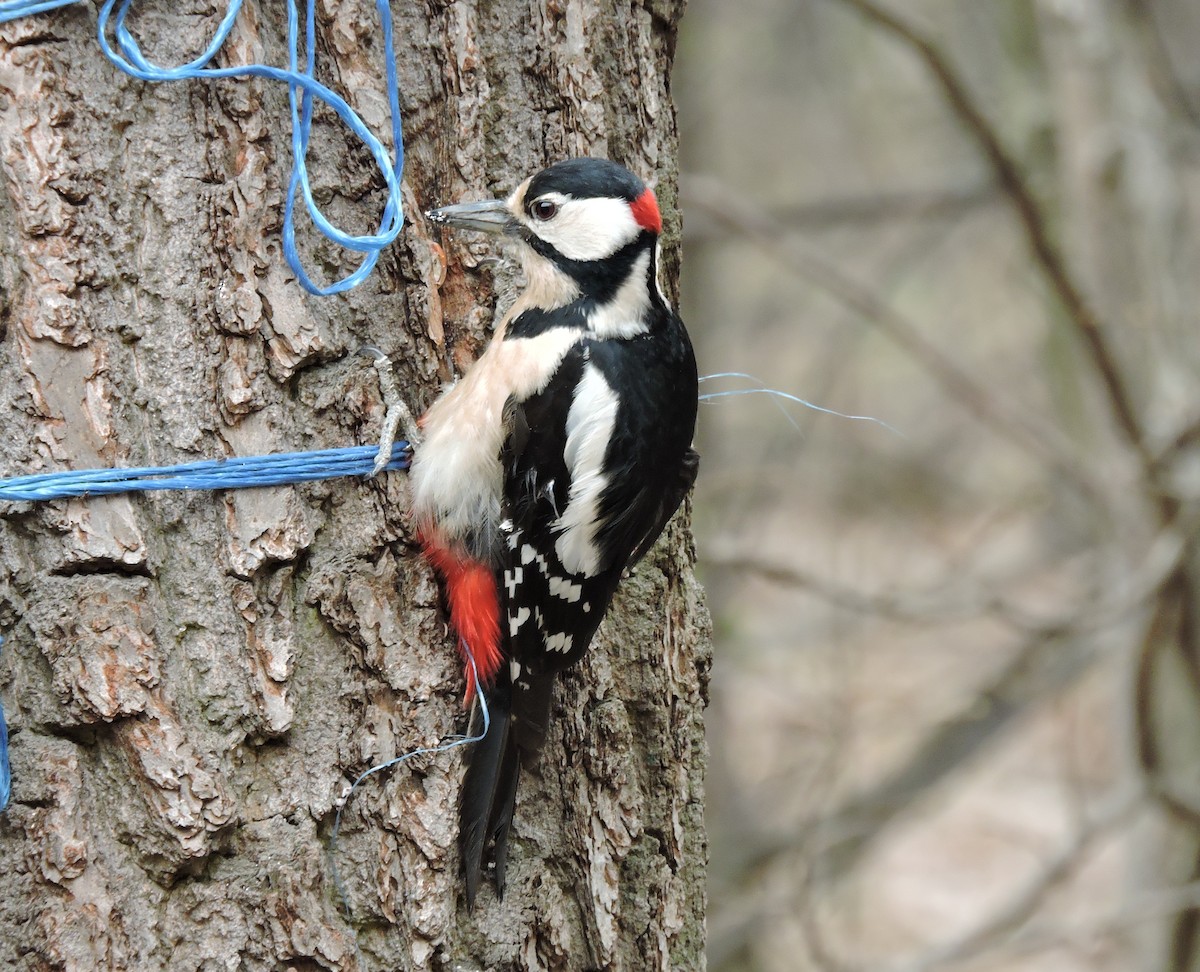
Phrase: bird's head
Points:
(589, 220)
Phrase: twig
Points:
(1166, 626)
(870, 209)
(1146, 907)
(1161, 61)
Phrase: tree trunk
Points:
(192, 679)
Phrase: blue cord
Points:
(278, 469)
(237, 473)
(302, 90)
(12, 9)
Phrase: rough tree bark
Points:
(192, 679)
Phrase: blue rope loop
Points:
(303, 92)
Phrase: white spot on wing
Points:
(589, 429)
(567, 590)
(513, 579)
(559, 642)
(516, 620)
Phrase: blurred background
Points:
(955, 717)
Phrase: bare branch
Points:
(1030, 898)
(1145, 907)
(955, 600)
(1161, 62)
(1034, 437)
(1086, 322)
(1041, 668)
(1168, 626)
(833, 845)
(870, 209)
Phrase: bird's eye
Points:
(545, 209)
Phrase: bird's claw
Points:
(397, 411)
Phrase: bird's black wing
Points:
(537, 484)
(651, 462)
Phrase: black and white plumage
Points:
(556, 461)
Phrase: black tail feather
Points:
(483, 781)
(532, 697)
(502, 810)
(520, 716)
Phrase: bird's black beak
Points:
(490, 216)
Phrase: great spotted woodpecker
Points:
(555, 462)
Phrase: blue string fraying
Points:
(451, 742)
(762, 389)
(303, 89)
(279, 469)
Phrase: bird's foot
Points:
(397, 414)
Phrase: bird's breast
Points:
(456, 477)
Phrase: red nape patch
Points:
(645, 211)
(474, 612)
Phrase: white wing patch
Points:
(531, 556)
(589, 429)
(516, 620)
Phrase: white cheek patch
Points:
(587, 229)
